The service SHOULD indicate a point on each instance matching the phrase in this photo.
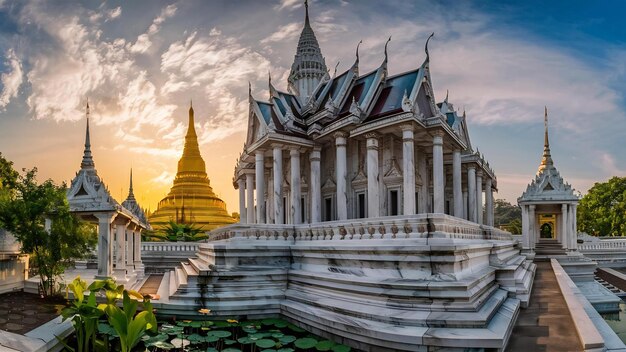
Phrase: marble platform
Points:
(418, 283)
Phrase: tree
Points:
(508, 216)
(25, 205)
(175, 232)
(602, 211)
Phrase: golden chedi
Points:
(191, 199)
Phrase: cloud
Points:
(143, 42)
(10, 80)
(165, 178)
(288, 4)
(288, 31)
(609, 166)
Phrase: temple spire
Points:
(546, 159)
(309, 66)
(131, 194)
(191, 161)
(306, 13)
(87, 163)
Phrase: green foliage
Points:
(175, 232)
(602, 211)
(507, 216)
(25, 204)
(125, 323)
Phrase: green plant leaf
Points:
(245, 340)
(305, 343)
(295, 328)
(230, 349)
(219, 333)
(325, 345)
(229, 342)
(341, 348)
(265, 343)
(286, 350)
(287, 339)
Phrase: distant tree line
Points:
(602, 211)
(507, 216)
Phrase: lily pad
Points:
(195, 339)
(305, 343)
(180, 343)
(270, 321)
(341, 348)
(325, 345)
(259, 335)
(163, 345)
(269, 350)
(212, 349)
(287, 339)
(277, 335)
(286, 350)
(230, 349)
(219, 333)
(212, 338)
(295, 328)
(229, 342)
(245, 340)
(265, 343)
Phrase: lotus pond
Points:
(267, 335)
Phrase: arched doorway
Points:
(546, 231)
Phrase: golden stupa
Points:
(191, 199)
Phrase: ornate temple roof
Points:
(131, 203)
(548, 186)
(87, 192)
(353, 99)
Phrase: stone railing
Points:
(389, 227)
(618, 244)
(173, 247)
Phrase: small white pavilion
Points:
(548, 206)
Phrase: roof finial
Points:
(546, 142)
(447, 93)
(249, 89)
(387, 43)
(306, 9)
(337, 65)
(546, 159)
(131, 194)
(87, 162)
(426, 47)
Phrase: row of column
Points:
(127, 248)
(567, 231)
(474, 213)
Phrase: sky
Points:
(141, 62)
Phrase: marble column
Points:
(471, 190)
(574, 233)
(279, 209)
(120, 248)
(465, 214)
(316, 185)
(438, 192)
(139, 268)
(457, 191)
(130, 249)
(532, 226)
(241, 184)
(525, 228)
(250, 200)
(341, 174)
(408, 168)
(479, 196)
(260, 187)
(564, 221)
(296, 211)
(488, 202)
(373, 189)
(105, 246)
(422, 206)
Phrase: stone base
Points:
(397, 294)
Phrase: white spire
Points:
(309, 66)
(87, 163)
